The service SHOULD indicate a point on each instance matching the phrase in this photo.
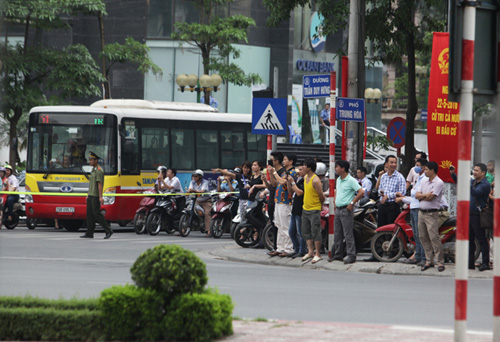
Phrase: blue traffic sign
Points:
(268, 116)
(347, 109)
(316, 86)
(423, 115)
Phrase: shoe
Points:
(273, 253)
(294, 255)
(285, 255)
(484, 267)
(426, 267)
(306, 257)
(349, 260)
(316, 259)
(85, 236)
(108, 235)
(472, 267)
(334, 259)
(441, 268)
(421, 263)
(371, 259)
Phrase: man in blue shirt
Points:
(325, 116)
(479, 191)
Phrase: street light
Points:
(205, 84)
(373, 95)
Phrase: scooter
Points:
(17, 211)
(193, 216)
(146, 205)
(251, 229)
(165, 214)
(393, 240)
(225, 208)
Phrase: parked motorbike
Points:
(250, 230)
(193, 216)
(166, 214)
(393, 240)
(225, 208)
(18, 211)
(146, 205)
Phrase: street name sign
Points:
(348, 109)
(315, 86)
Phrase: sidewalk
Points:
(294, 331)
(259, 256)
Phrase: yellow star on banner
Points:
(445, 164)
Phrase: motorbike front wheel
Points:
(246, 236)
(184, 228)
(140, 222)
(381, 249)
(217, 227)
(268, 236)
(11, 224)
(153, 223)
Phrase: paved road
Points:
(49, 263)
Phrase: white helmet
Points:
(321, 169)
(198, 172)
(161, 168)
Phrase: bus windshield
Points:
(61, 142)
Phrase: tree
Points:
(132, 51)
(213, 32)
(396, 29)
(30, 68)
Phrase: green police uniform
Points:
(93, 204)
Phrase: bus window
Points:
(130, 149)
(256, 146)
(154, 147)
(183, 149)
(233, 149)
(207, 149)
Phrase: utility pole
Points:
(356, 79)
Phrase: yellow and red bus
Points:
(132, 138)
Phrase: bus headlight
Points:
(28, 198)
(108, 200)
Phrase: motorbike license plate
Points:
(65, 210)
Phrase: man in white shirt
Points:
(412, 177)
(12, 186)
(172, 183)
(366, 184)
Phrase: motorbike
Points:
(225, 208)
(146, 205)
(193, 216)
(365, 223)
(18, 211)
(165, 214)
(251, 228)
(393, 240)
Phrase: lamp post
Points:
(204, 84)
(374, 112)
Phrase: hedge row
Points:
(61, 304)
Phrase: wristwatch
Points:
(352, 203)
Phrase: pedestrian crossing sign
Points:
(268, 116)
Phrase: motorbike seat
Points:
(452, 221)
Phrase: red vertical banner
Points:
(443, 116)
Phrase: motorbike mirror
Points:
(139, 183)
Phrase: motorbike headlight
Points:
(28, 198)
(110, 199)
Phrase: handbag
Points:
(486, 218)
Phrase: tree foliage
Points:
(214, 36)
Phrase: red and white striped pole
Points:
(464, 166)
(496, 224)
(331, 217)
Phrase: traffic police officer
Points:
(95, 199)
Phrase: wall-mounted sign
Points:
(316, 36)
(307, 65)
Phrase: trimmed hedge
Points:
(62, 304)
(170, 270)
(50, 324)
(131, 313)
(199, 317)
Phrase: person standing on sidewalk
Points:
(295, 230)
(283, 209)
(391, 183)
(479, 191)
(311, 213)
(95, 199)
(345, 199)
(429, 194)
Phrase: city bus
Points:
(132, 138)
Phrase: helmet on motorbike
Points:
(161, 168)
(321, 169)
(2, 168)
(198, 173)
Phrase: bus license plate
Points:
(65, 210)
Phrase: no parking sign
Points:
(396, 131)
